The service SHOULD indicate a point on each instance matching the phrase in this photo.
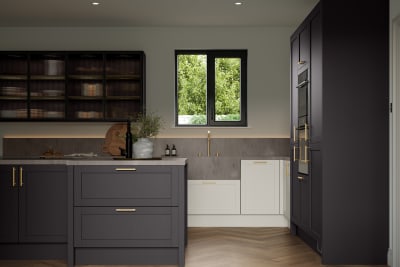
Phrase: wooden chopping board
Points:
(115, 139)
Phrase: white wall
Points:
(268, 72)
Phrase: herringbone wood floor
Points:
(229, 247)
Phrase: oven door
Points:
(302, 98)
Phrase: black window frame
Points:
(210, 109)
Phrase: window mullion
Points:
(211, 89)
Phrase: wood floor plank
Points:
(229, 247)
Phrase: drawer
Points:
(126, 226)
(125, 185)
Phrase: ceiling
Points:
(153, 13)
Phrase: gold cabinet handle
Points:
(305, 154)
(14, 181)
(260, 162)
(305, 132)
(125, 210)
(287, 168)
(209, 182)
(301, 62)
(301, 178)
(294, 153)
(125, 169)
(21, 175)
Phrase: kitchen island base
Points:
(127, 256)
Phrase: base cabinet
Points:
(129, 215)
(126, 227)
(34, 209)
(260, 189)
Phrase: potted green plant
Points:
(144, 127)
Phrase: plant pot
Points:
(143, 148)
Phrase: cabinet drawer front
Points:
(125, 185)
(126, 227)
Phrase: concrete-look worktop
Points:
(92, 161)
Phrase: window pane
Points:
(192, 89)
(227, 89)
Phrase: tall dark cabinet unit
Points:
(340, 130)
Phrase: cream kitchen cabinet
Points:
(260, 187)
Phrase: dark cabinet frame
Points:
(99, 73)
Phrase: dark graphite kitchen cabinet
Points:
(71, 86)
(34, 211)
(340, 129)
(129, 215)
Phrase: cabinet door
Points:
(43, 204)
(13, 86)
(125, 185)
(8, 205)
(304, 47)
(316, 81)
(126, 226)
(260, 187)
(316, 194)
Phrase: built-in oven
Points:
(303, 125)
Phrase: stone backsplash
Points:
(222, 164)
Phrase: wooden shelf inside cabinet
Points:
(85, 98)
(48, 98)
(47, 77)
(85, 77)
(136, 77)
(18, 98)
(123, 98)
(13, 77)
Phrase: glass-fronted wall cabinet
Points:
(71, 86)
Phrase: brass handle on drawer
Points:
(21, 181)
(294, 153)
(14, 182)
(301, 178)
(260, 162)
(125, 210)
(125, 169)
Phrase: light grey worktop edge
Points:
(172, 161)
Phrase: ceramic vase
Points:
(143, 148)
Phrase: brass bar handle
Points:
(305, 132)
(209, 182)
(294, 133)
(125, 169)
(125, 210)
(302, 84)
(287, 169)
(294, 153)
(305, 154)
(300, 178)
(21, 175)
(260, 162)
(14, 181)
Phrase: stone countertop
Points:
(92, 161)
